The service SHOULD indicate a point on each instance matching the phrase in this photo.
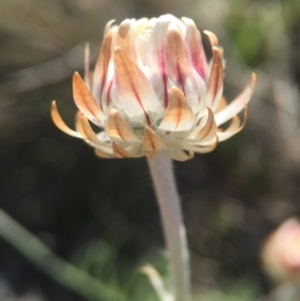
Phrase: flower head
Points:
(154, 90)
(281, 252)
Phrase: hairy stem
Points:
(174, 230)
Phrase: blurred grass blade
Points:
(58, 269)
(156, 282)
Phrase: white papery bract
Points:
(154, 90)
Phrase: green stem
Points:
(174, 230)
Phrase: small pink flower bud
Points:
(281, 252)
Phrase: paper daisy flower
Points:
(153, 90)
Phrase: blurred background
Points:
(101, 215)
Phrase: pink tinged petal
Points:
(215, 83)
(109, 88)
(195, 91)
(177, 57)
(234, 127)
(120, 152)
(136, 95)
(60, 123)
(156, 54)
(108, 94)
(197, 54)
(87, 73)
(152, 143)
(118, 129)
(208, 131)
(237, 104)
(179, 116)
(180, 155)
(101, 70)
(165, 85)
(125, 40)
(85, 101)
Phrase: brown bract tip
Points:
(118, 129)
(85, 101)
(152, 142)
(60, 123)
(179, 116)
(120, 152)
(215, 83)
(212, 37)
